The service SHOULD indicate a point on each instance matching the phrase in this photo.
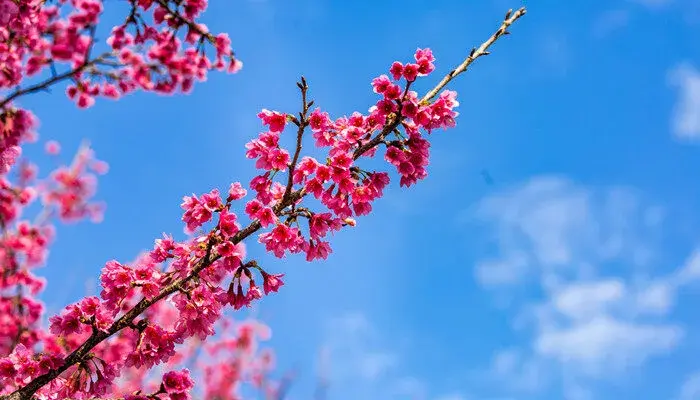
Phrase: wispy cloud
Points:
(691, 387)
(355, 349)
(597, 309)
(685, 121)
(610, 21)
(515, 370)
(596, 341)
(553, 227)
(362, 361)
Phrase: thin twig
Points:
(302, 124)
(476, 53)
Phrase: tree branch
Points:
(302, 124)
(475, 53)
(53, 80)
(26, 392)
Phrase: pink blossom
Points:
(278, 159)
(254, 292)
(424, 58)
(198, 312)
(392, 92)
(196, 211)
(8, 11)
(236, 192)
(272, 283)
(266, 217)
(52, 147)
(307, 166)
(380, 84)
(318, 250)
(177, 381)
(396, 70)
(410, 72)
(226, 249)
(274, 120)
(153, 345)
(227, 223)
(319, 121)
(116, 283)
(253, 208)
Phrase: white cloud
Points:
(372, 365)
(691, 387)
(585, 300)
(657, 298)
(363, 361)
(600, 308)
(690, 271)
(360, 360)
(685, 121)
(605, 326)
(504, 271)
(606, 344)
(551, 225)
(512, 369)
(355, 350)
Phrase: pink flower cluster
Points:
(156, 309)
(23, 247)
(69, 186)
(222, 366)
(192, 282)
(162, 322)
(168, 62)
(342, 186)
(192, 310)
(16, 127)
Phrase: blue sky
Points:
(572, 276)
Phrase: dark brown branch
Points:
(302, 123)
(78, 355)
(53, 80)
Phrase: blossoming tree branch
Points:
(144, 335)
